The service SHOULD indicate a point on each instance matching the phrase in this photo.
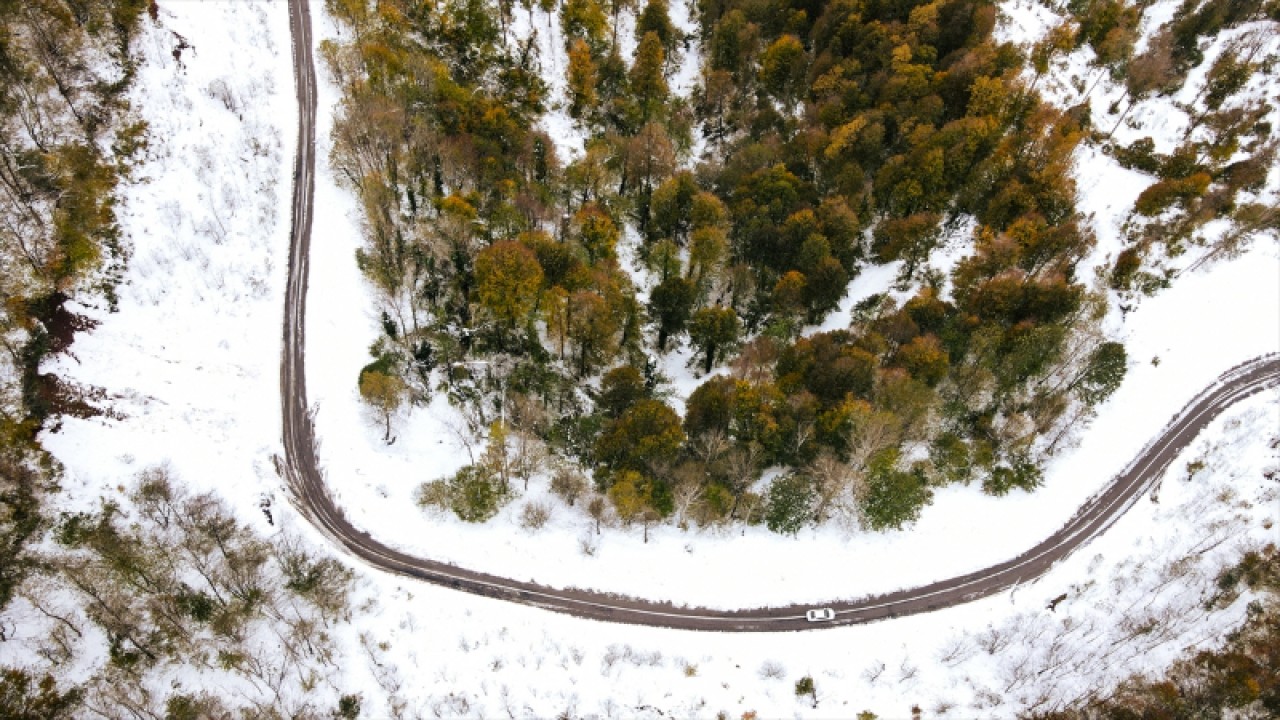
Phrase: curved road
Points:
(313, 500)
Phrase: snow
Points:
(553, 61)
(376, 483)
(191, 359)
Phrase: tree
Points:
(670, 304)
(649, 157)
(790, 503)
(597, 232)
(582, 81)
(508, 279)
(924, 358)
(783, 66)
(475, 493)
(568, 484)
(909, 238)
(349, 707)
(647, 82)
(672, 208)
(598, 509)
(592, 326)
(583, 20)
(789, 294)
(836, 485)
(385, 393)
(656, 18)
(893, 497)
(1103, 374)
(824, 286)
(646, 436)
(664, 259)
(709, 408)
(620, 388)
(707, 211)
(714, 331)
(1019, 473)
(708, 248)
(628, 496)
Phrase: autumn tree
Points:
(783, 66)
(628, 495)
(385, 393)
(714, 331)
(620, 388)
(708, 250)
(655, 18)
(592, 326)
(508, 280)
(582, 81)
(646, 435)
(597, 232)
(583, 20)
(648, 158)
(647, 81)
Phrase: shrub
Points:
(475, 493)
(534, 515)
(434, 494)
(1164, 194)
(772, 670)
(804, 687)
(568, 484)
(790, 504)
(1127, 263)
(1020, 474)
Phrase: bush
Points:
(434, 494)
(349, 707)
(1164, 194)
(568, 484)
(894, 497)
(790, 504)
(1021, 474)
(534, 515)
(1127, 263)
(772, 670)
(474, 494)
(1140, 155)
(804, 687)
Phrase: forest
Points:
(834, 137)
(535, 290)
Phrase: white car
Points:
(820, 615)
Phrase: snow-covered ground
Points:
(192, 361)
(192, 357)
(1195, 329)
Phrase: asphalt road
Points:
(310, 494)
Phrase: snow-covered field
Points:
(192, 356)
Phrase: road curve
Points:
(309, 492)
